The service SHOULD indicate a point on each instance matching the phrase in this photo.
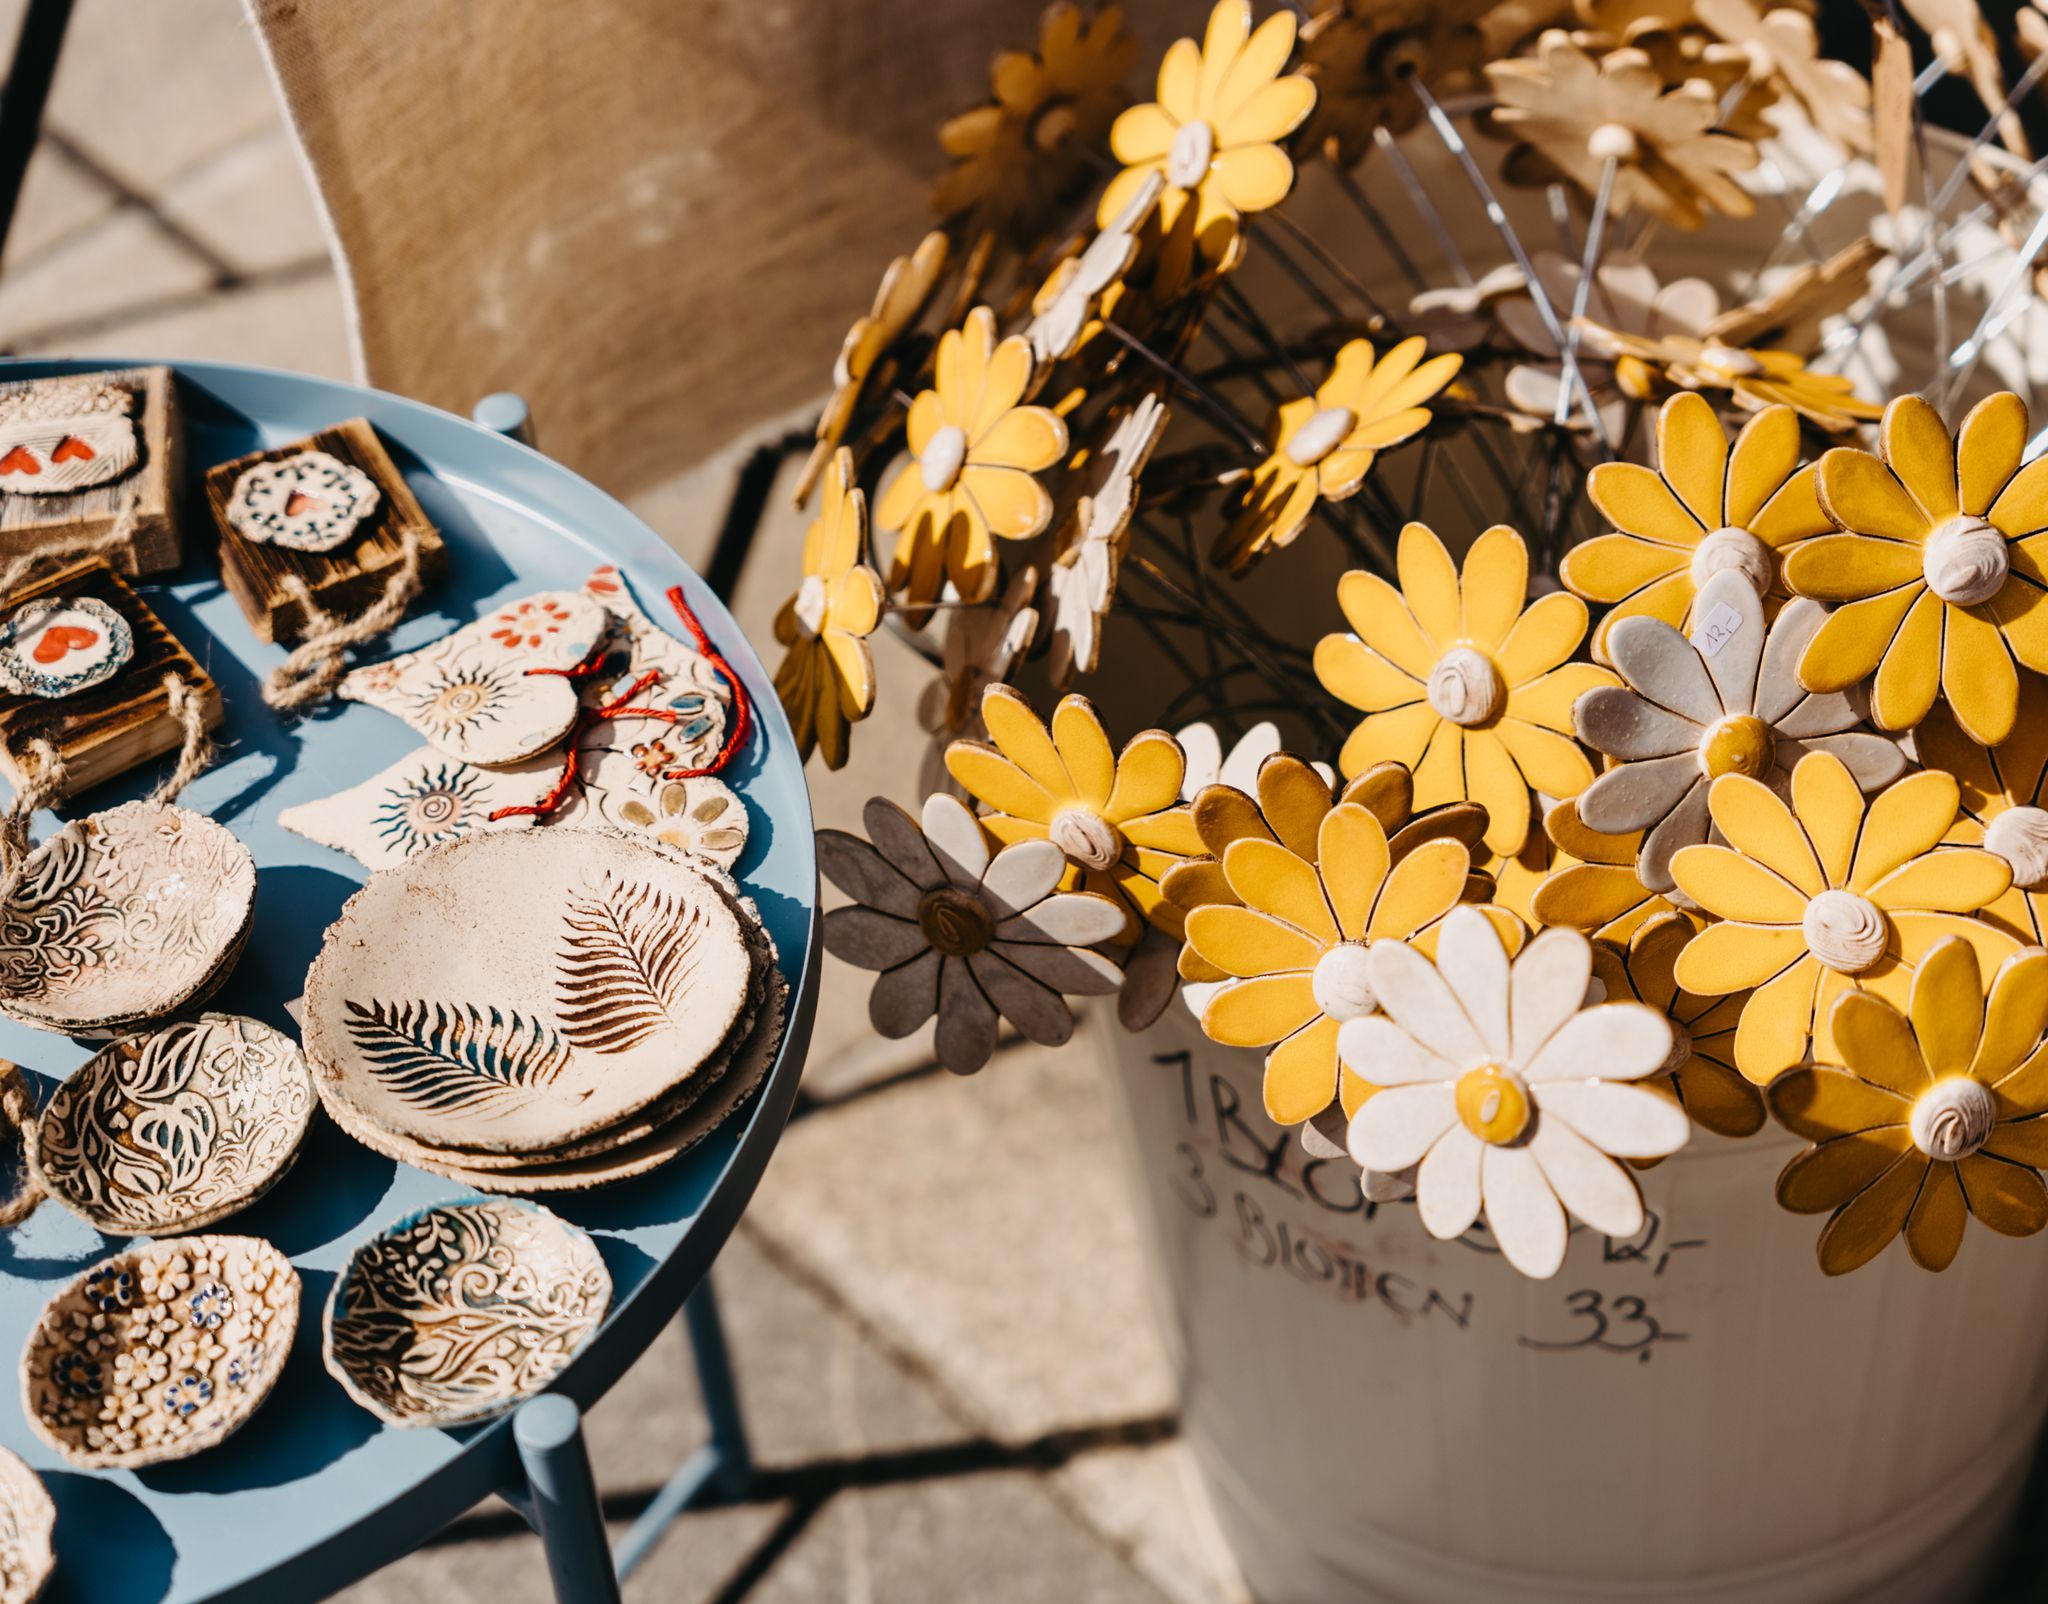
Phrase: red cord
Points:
(742, 709)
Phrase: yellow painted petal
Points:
(1917, 448)
(2007, 1197)
(1241, 941)
(1776, 1020)
(1440, 776)
(1743, 889)
(1544, 636)
(1398, 736)
(1270, 112)
(1020, 437)
(1850, 567)
(1495, 580)
(1380, 618)
(1024, 740)
(1821, 1103)
(1352, 855)
(1978, 677)
(1588, 896)
(2015, 1015)
(1429, 581)
(1260, 1011)
(1669, 599)
(1866, 1225)
(1989, 446)
(1611, 567)
(1301, 1073)
(1359, 677)
(1947, 1008)
(1293, 800)
(900, 498)
(1548, 700)
(1934, 1230)
(1180, 71)
(1794, 513)
(1876, 1041)
(1423, 887)
(2021, 610)
(1861, 495)
(1141, 134)
(2022, 507)
(1270, 878)
(1553, 764)
(995, 781)
(1823, 1178)
(1493, 780)
(1910, 674)
(1148, 776)
(1725, 957)
(1692, 454)
(1904, 820)
(1829, 806)
(1959, 881)
(1758, 823)
(1170, 832)
(1253, 178)
(1639, 502)
(1014, 505)
(1764, 457)
(1083, 747)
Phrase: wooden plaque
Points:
(32, 523)
(106, 729)
(343, 581)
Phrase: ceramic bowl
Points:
(514, 991)
(159, 1352)
(122, 917)
(175, 1128)
(28, 1517)
(457, 1312)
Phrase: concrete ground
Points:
(936, 1300)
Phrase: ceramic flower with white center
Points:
(983, 645)
(827, 678)
(1116, 816)
(1209, 764)
(1755, 378)
(1320, 447)
(1589, 882)
(975, 453)
(1938, 569)
(1214, 135)
(2005, 802)
(1360, 54)
(955, 931)
(1624, 295)
(1082, 579)
(1513, 1097)
(1936, 1115)
(1724, 700)
(1830, 894)
(1459, 683)
(1067, 301)
(1783, 42)
(1708, 506)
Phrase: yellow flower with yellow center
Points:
(1937, 1114)
(2004, 801)
(1708, 506)
(1320, 447)
(974, 451)
(1592, 884)
(827, 678)
(1214, 135)
(1828, 895)
(1939, 568)
(1116, 816)
(1459, 683)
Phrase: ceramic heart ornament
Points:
(495, 691)
(58, 647)
(309, 501)
(421, 801)
(57, 438)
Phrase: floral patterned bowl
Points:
(159, 1352)
(28, 1517)
(175, 1128)
(122, 917)
(457, 1312)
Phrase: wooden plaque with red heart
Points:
(33, 520)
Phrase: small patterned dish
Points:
(457, 1312)
(28, 1517)
(123, 917)
(159, 1352)
(176, 1128)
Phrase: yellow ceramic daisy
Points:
(1294, 941)
(1592, 885)
(1936, 1116)
(827, 678)
(1939, 568)
(1214, 135)
(2005, 802)
(1117, 817)
(1828, 895)
(1320, 447)
(1756, 378)
(1708, 506)
(1459, 683)
(973, 453)
(1703, 1073)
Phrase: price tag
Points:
(1716, 630)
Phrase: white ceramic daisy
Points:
(1724, 700)
(1209, 764)
(1507, 1092)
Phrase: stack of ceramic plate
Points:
(542, 1011)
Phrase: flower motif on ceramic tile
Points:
(1591, 884)
(1116, 817)
(1709, 506)
(1066, 304)
(982, 646)
(1783, 44)
(1724, 700)
(1459, 683)
(1214, 134)
(1831, 893)
(1703, 1074)
(1359, 54)
(1025, 150)
(1626, 296)
(1938, 568)
(1935, 1115)
(534, 622)
(975, 452)
(955, 931)
(1757, 379)
(700, 815)
(907, 287)
(1320, 447)
(1570, 114)
(2004, 801)
(827, 679)
(1512, 1096)
(1081, 581)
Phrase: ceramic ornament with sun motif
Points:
(309, 501)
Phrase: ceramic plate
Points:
(514, 991)
(123, 917)
(176, 1128)
(456, 1313)
(159, 1352)
(28, 1517)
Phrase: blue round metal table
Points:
(314, 1493)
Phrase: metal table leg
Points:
(565, 1511)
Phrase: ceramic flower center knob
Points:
(1053, 126)
(1681, 1050)
(943, 457)
(1738, 744)
(1321, 435)
(1086, 837)
(1188, 157)
(1951, 1120)
(1611, 142)
(2020, 836)
(1965, 561)
(1493, 1103)
(1734, 547)
(1844, 931)
(1729, 361)
(1464, 687)
(955, 922)
(1342, 987)
(811, 597)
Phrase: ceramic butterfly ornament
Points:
(60, 646)
(307, 502)
(495, 691)
(56, 439)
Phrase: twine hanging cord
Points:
(317, 663)
(18, 1108)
